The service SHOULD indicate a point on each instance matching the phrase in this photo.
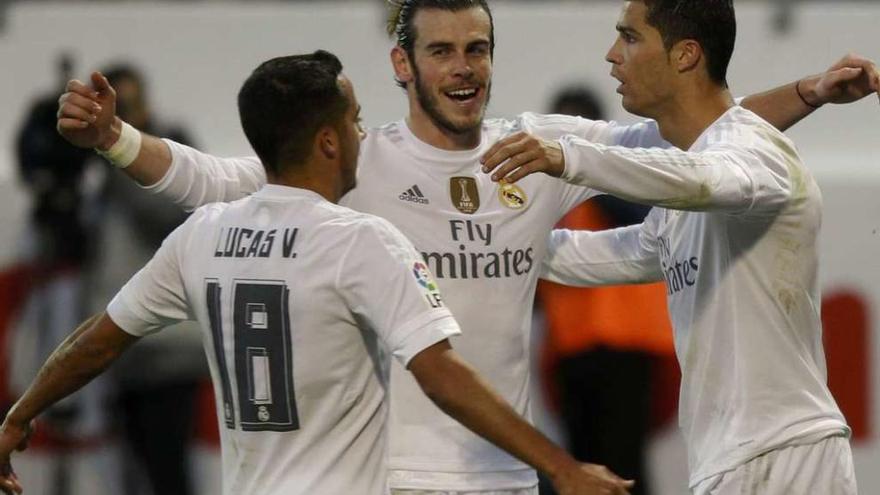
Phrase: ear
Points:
(327, 143)
(686, 55)
(400, 61)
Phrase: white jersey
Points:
(739, 258)
(299, 301)
(484, 244)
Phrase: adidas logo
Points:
(414, 195)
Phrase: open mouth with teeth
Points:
(464, 95)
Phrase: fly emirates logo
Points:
(679, 273)
(477, 257)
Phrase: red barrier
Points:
(847, 339)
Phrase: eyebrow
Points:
(449, 44)
(439, 44)
(626, 29)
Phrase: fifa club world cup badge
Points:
(511, 195)
(464, 194)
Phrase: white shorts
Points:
(517, 491)
(824, 467)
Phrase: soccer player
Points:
(484, 243)
(297, 298)
(734, 236)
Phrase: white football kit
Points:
(483, 243)
(298, 300)
(735, 240)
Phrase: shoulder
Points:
(532, 122)
(346, 222)
(367, 231)
(745, 128)
(206, 215)
(381, 147)
(535, 122)
(198, 223)
(387, 133)
(554, 126)
(745, 134)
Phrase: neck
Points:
(423, 127)
(327, 186)
(691, 111)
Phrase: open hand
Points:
(522, 154)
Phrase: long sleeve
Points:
(624, 255)
(195, 178)
(721, 179)
(644, 134)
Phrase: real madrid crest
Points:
(511, 195)
(464, 194)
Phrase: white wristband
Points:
(126, 149)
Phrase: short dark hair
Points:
(403, 13)
(284, 103)
(711, 23)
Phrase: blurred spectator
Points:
(601, 342)
(157, 380)
(59, 245)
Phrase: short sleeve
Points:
(387, 284)
(154, 297)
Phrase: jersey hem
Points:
(807, 438)
(461, 481)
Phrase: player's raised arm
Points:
(722, 180)
(459, 391)
(87, 118)
(850, 79)
(87, 352)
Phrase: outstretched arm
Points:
(850, 79)
(583, 258)
(87, 119)
(729, 178)
(459, 391)
(87, 352)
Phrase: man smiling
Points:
(481, 241)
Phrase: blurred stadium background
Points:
(196, 54)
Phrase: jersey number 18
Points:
(263, 356)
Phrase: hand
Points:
(12, 437)
(87, 115)
(850, 79)
(591, 479)
(523, 154)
